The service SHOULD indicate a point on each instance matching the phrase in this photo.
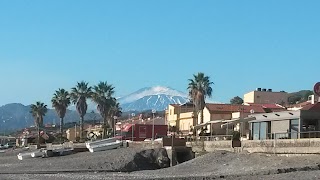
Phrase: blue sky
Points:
(241, 45)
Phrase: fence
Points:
(293, 135)
(276, 143)
(210, 138)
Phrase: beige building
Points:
(181, 116)
(74, 133)
(216, 114)
(262, 96)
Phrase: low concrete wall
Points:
(282, 143)
(174, 142)
(210, 146)
(279, 146)
(145, 145)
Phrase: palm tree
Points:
(79, 96)
(199, 88)
(102, 96)
(115, 111)
(60, 102)
(38, 111)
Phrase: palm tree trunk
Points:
(38, 143)
(201, 121)
(61, 129)
(113, 127)
(104, 128)
(81, 128)
(201, 116)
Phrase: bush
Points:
(236, 136)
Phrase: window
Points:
(294, 128)
(255, 133)
(260, 130)
(263, 130)
(170, 111)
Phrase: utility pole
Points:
(132, 116)
(153, 112)
(114, 125)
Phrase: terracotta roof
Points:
(312, 107)
(175, 105)
(234, 108)
(303, 104)
(182, 105)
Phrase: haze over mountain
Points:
(157, 98)
(16, 116)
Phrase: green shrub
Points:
(236, 135)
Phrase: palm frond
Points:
(199, 88)
(38, 111)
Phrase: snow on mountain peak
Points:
(156, 90)
(160, 89)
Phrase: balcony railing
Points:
(210, 138)
(293, 135)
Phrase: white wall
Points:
(280, 127)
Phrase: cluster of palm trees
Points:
(102, 94)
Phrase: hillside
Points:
(300, 96)
(16, 116)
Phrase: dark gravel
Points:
(224, 164)
(112, 160)
(215, 165)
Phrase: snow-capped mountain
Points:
(157, 98)
(91, 106)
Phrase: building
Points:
(73, 133)
(266, 96)
(181, 116)
(302, 123)
(268, 107)
(214, 116)
(312, 99)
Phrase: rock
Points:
(150, 159)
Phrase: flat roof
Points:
(276, 116)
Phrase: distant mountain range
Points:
(157, 98)
(16, 116)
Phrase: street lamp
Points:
(153, 112)
(132, 115)
(114, 125)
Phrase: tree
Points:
(102, 96)
(38, 111)
(115, 111)
(294, 99)
(60, 102)
(79, 96)
(236, 100)
(306, 96)
(199, 88)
